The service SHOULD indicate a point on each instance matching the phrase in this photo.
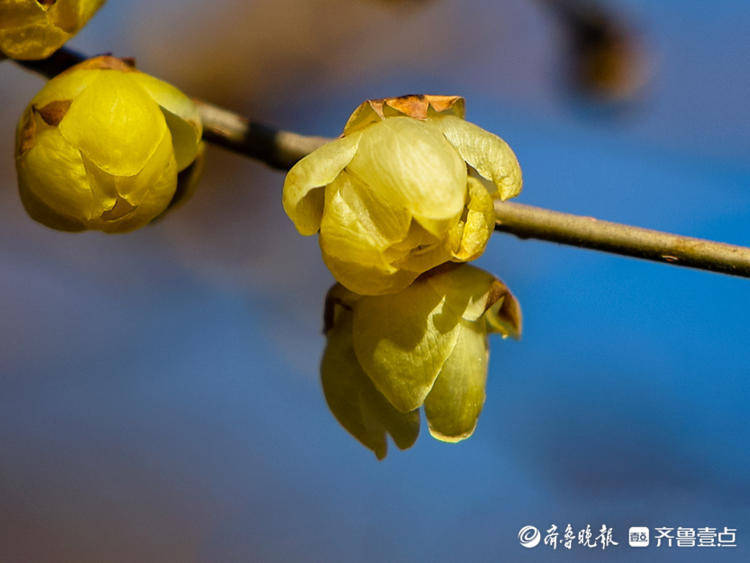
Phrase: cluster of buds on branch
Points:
(406, 196)
(407, 190)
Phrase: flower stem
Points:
(281, 149)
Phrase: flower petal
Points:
(115, 124)
(419, 251)
(353, 399)
(410, 164)
(453, 406)
(180, 113)
(469, 237)
(402, 341)
(52, 161)
(129, 202)
(488, 154)
(303, 196)
(357, 226)
(504, 316)
(369, 280)
(66, 86)
(468, 290)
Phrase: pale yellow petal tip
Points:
(450, 439)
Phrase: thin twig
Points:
(526, 221)
(281, 149)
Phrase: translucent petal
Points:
(115, 124)
(402, 341)
(181, 115)
(470, 235)
(369, 280)
(468, 290)
(419, 251)
(453, 406)
(188, 179)
(488, 154)
(72, 15)
(353, 399)
(303, 197)
(357, 227)
(52, 177)
(409, 163)
(65, 86)
(504, 316)
(31, 41)
(30, 30)
(129, 202)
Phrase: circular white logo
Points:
(529, 536)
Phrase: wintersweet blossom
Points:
(389, 355)
(408, 186)
(100, 147)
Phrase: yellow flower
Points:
(388, 355)
(34, 29)
(408, 186)
(100, 146)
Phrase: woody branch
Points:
(281, 149)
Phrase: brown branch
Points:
(526, 221)
(281, 149)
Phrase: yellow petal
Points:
(64, 86)
(353, 399)
(303, 195)
(369, 280)
(188, 179)
(488, 154)
(72, 15)
(356, 226)
(115, 124)
(504, 316)
(453, 406)
(181, 115)
(419, 251)
(130, 202)
(410, 164)
(53, 183)
(469, 237)
(402, 341)
(32, 30)
(468, 291)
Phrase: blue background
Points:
(159, 394)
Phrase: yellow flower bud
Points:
(408, 186)
(388, 355)
(100, 146)
(34, 29)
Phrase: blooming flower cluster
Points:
(399, 201)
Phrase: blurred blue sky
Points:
(159, 390)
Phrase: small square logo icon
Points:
(638, 536)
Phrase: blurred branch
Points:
(281, 149)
